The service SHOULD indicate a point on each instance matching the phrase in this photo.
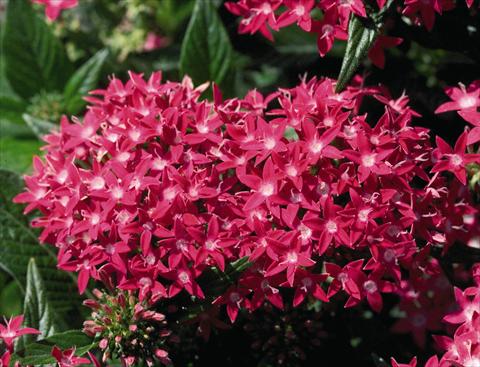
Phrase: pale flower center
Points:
(291, 171)
(456, 160)
(370, 286)
(97, 183)
(210, 245)
(169, 193)
(316, 146)
(159, 164)
(331, 226)
(292, 257)
(368, 160)
(467, 102)
(183, 277)
(269, 143)
(202, 128)
(389, 255)
(267, 189)
(363, 215)
(327, 30)
(234, 297)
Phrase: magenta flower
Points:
(67, 358)
(12, 329)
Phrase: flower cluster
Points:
(9, 332)
(154, 187)
(464, 348)
(128, 329)
(266, 15)
(466, 101)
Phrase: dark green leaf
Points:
(206, 53)
(40, 352)
(10, 299)
(11, 109)
(39, 127)
(18, 244)
(34, 58)
(82, 81)
(360, 39)
(37, 309)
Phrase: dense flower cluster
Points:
(463, 350)
(10, 331)
(127, 329)
(155, 186)
(266, 15)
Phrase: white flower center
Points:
(331, 226)
(269, 143)
(97, 183)
(183, 277)
(456, 160)
(370, 286)
(292, 257)
(467, 102)
(368, 160)
(267, 189)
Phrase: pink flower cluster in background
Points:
(266, 15)
(463, 350)
(154, 186)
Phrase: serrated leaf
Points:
(18, 244)
(82, 81)
(35, 59)
(38, 126)
(360, 39)
(206, 53)
(40, 352)
(37, 309)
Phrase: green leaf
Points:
(361, 35)
(34, 58)
(18, 244)
(10, 299)
(40, 352)
(11, 109)
(38, 126)
(16, 154)
(206, 53)
(37, 309)
(82, 81)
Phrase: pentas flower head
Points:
(156, 188)
(12, 329)
(265, 16)
(466, 101)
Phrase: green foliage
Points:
(16, 154)
(360, 39)
(82, 81)
(34, 58)
(38, 126)
(37, 309)
(206, 49)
